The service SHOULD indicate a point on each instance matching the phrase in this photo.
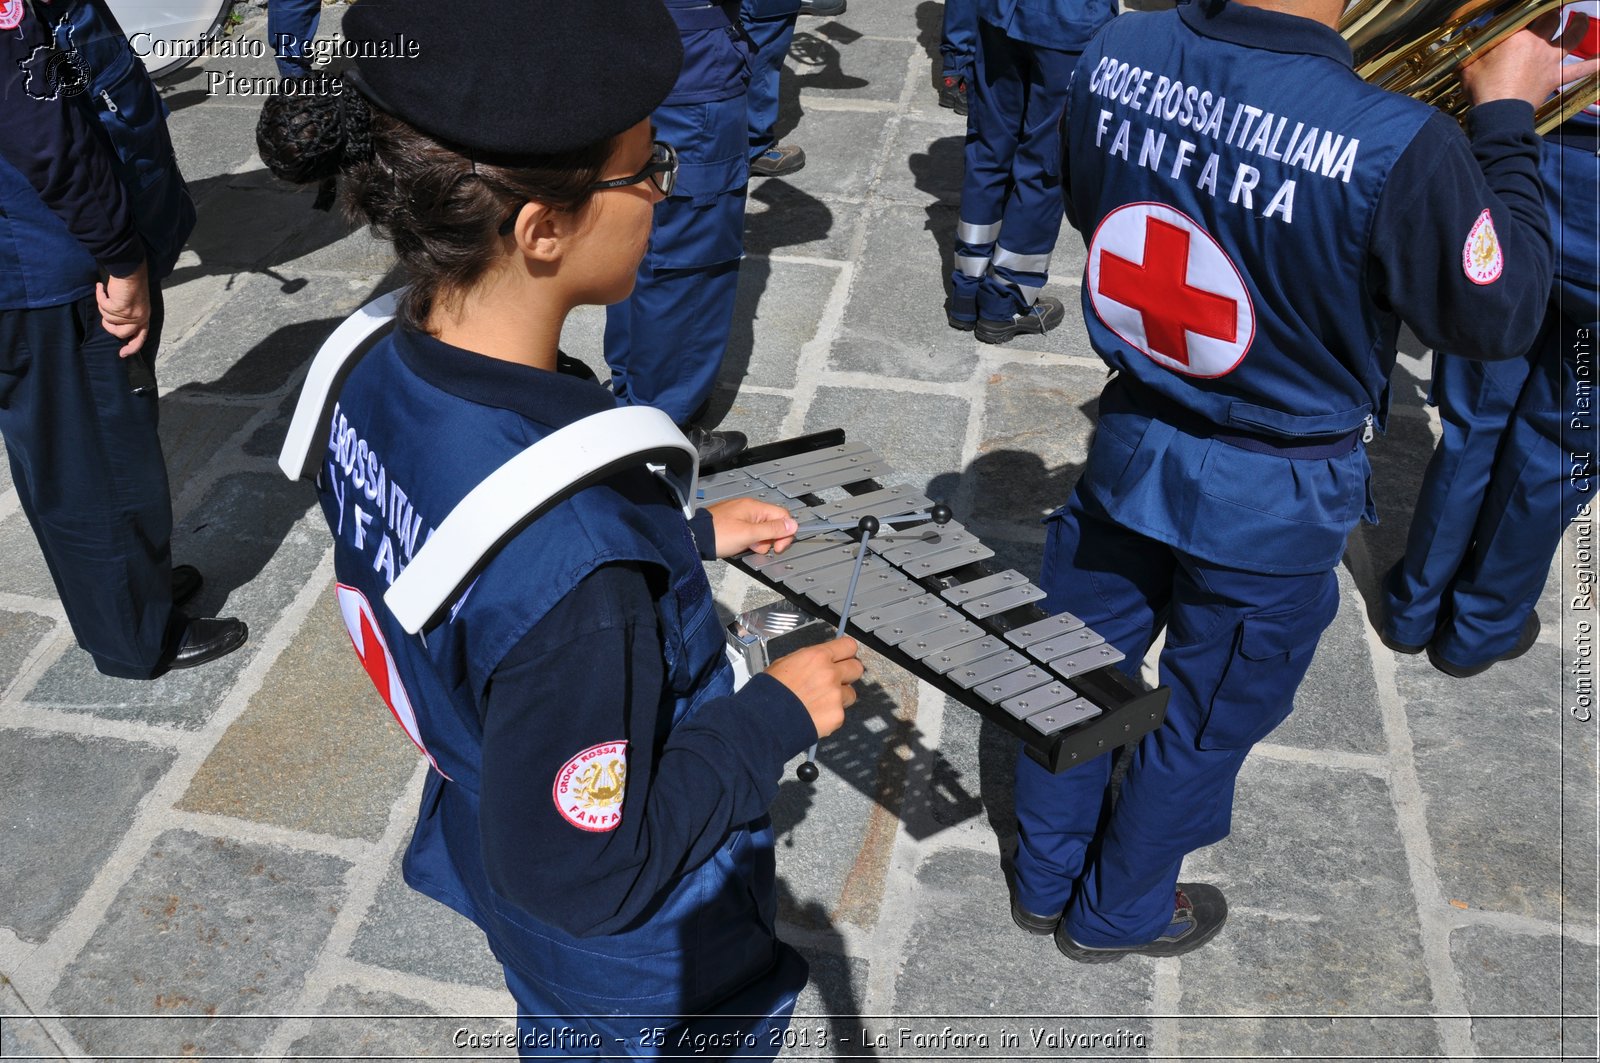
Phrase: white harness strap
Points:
(563, 462)
(302, 453)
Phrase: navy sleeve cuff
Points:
(1500, 117)
(792, 727)
(705, 534)
(123, 261)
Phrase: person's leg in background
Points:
(1008, 296)
(1543, 474)
(87, 464)
(958, 53)
(1475, 401)
(769, 24)
(997, 97)
(665, 343)
(291, 27)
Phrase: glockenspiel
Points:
(929, 597)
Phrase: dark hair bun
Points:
(306, 136)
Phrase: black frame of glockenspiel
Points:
(1129, 708)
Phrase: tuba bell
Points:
(1418, 47)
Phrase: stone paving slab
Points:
(825, 1014)
(840, 833)
(189, 298)
(26, 572)
(361, 1023)
(900, 430)
(206, 927)
(254, 538)
(925, 162)
(261, 335)
(1494, 822)
(192, 433)
(1527, 984)
(1035, 440)
(210, 143)
(407, 932)
(784, 218)
(830, 61)
(846, 146)
(316, 749)
(66, 801)
(904, 336)
(764, 345)
(977, 770)
(21, 1035)
(965, 958)
(20, 635)
(758, 416)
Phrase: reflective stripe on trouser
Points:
(1499, 491)
(1012, 167)
(1238, 645)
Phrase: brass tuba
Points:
(1418, 47)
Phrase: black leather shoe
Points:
(823, 8)
(186, 583)
(716, 448)
(1525, 641)
(207, 638)
(1043, 925)
(1198, 912)
(1043, 316)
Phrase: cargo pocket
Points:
(1271, 653)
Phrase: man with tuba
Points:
(1259, 221)
(1515, 462)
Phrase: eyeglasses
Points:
(661, 171)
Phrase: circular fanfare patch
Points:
(589, 788)
(11, 13)
(1481, 258)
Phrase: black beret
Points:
(514, 77)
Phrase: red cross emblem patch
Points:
(1159, 281)
(362, 626)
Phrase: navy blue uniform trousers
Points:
(291, 27)
(1514, 465)
(87, 465)
(665, 342)
(1238, 644)
(769, 43)
(1011, 205)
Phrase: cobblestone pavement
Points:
(206, 865)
